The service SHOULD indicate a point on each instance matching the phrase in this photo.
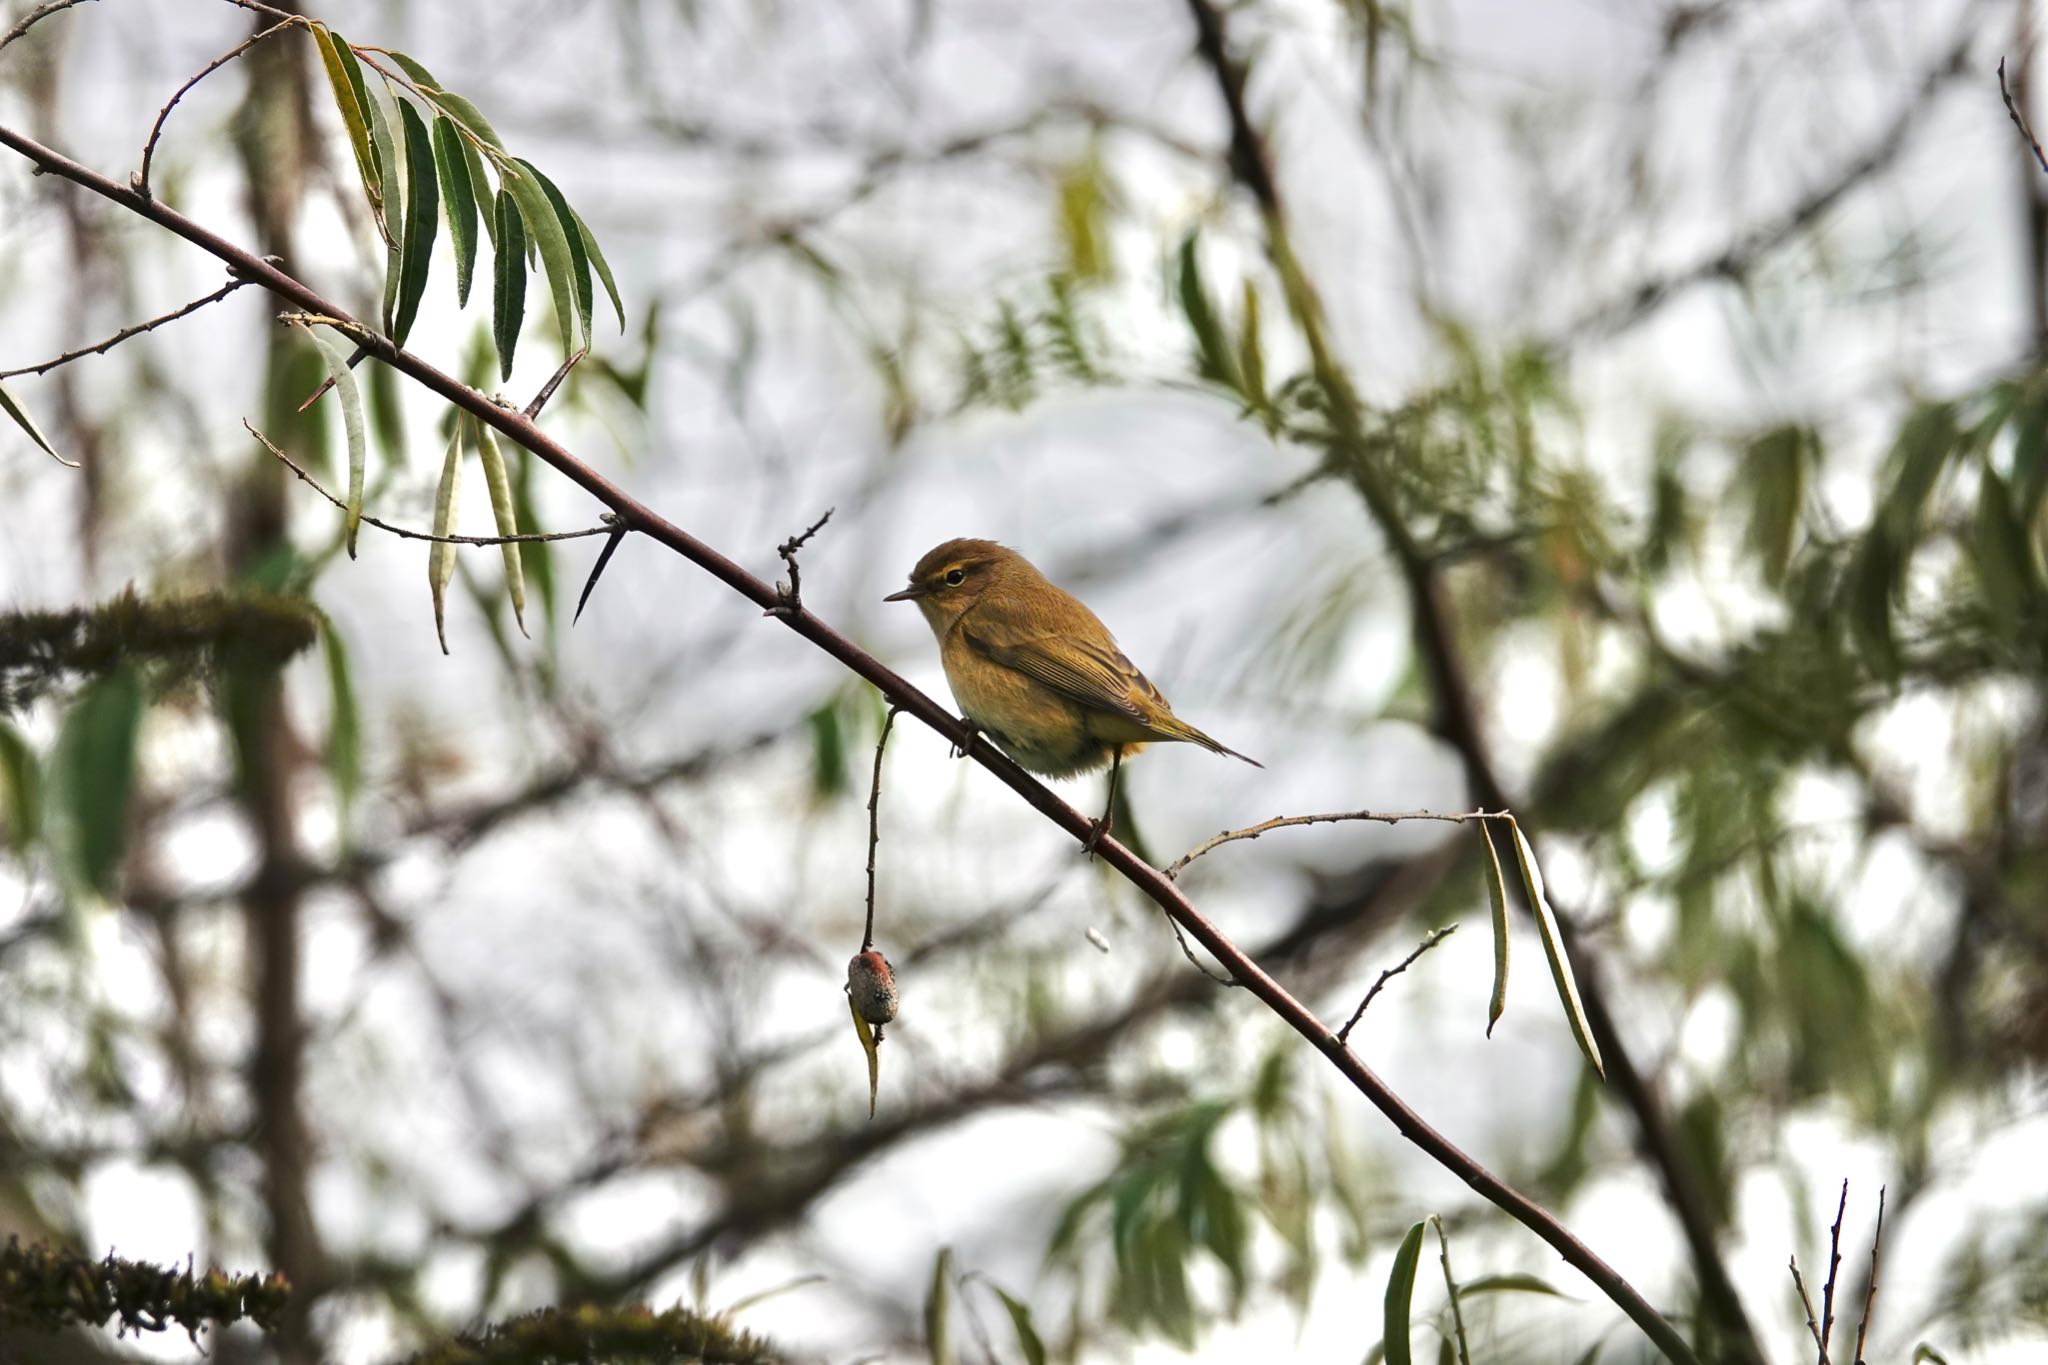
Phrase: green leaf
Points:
(480, 189)
(441, 556)
(829, 775)
(544, 229)
(1497, 895)
(422, 218)
(1212, 349)
(508, 289)
(505, 515)
(385, 205)
(1020, 1319)
(2004, 556)
(1400, 1298)
(95, 769)
(1553, 949)
(348, 90)
(1509, 1284)
(938, 1310)
(21, 782)
(352, 424)
(536, 555)
(22, 420)
(460, 202)
(469, 116)
(420, 75)
(579, 254)
(604, 270)
(1775, 470)
(344, 725)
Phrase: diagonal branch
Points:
(101, 348)
(637, 516)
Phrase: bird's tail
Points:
(1173, 727)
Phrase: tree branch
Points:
(34, 16)
(101, 348)
(1149, 880)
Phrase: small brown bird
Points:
(1036, 670)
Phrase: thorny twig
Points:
(520, 538)
(1870, 1292)
(789, 596)
(1436, 936)
(2019, 120)
(40, 12)
(1283, 821)
(867, 937)
(156, 129)
(137, 330)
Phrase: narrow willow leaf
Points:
(441, 557)
(33, 432)
(508, 283)
(938, 1310)
(469, 116)
(460, 202)
(579, 254)
(95, 767)
(1212, 349)
(352, 424)
(1515, 1283)
(1028, 1340)
(388, 205)
(420, 75)
(506, 516)
(2004, 556)
(604, 270)
(344, 726)
(1497, 893)
(21, 782)
(545, 231)
(1401, 1297)
(422, 217)
(348, 101)
(480, 189)
(1775, 468)
(1251, 356)
(863, 1031)
(1553, 949)
(537, 555)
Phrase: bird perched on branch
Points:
(1036, 670)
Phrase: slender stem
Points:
(117, 338)
(1827, 1292)
(1806, 1301)
(1436, 936)
(157, 129)
(793, 598)
(1385, 817)
(1870, 1290)
(34, 16)
(1154, 884)
(867, 936)
(1443, 1243)
(523, 536)
(2019, 120)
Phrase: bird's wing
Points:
(1093, 675)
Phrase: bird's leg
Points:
(974, 732)
(1102, 826)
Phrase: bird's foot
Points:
(1095, 833)
(974, 732)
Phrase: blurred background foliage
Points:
(1629, 413)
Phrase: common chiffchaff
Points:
(1036, 670)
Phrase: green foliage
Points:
(574, 1336)
(45, 1288)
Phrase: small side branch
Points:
(1283, 821)
(789, 595)
(156, 129)
(36, 16)
(1870, 1293)
(137, 330)
(1806, 1302)
(2019, 120)
(409, 534)
(1827, 1293)
(867, 937)
(1436, 936)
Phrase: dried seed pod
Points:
(873, 987)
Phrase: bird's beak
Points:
(909, 594)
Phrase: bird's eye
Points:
(956, 576)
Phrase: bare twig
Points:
(789, 597)
(1443, 1243)
(35, 16)
(1150, 881)
(547, 390)
(2019, 120)
(1283, 821)
(1436, 936)
(1812, 1324)
(867, 936)
(1870, 1291)
(1827, 1292)
(1221, 979)
(137, 330)
(257, 7)
(522, 537)
(156, 129)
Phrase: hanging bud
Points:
(873, 987)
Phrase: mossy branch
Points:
(49, 1289)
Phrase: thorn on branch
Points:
(789, 594)
(547, 390)
(101, 348)
(1436, 936)
(618, 528)
(2019, 120)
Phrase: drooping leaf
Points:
(1497, 896)
(544, 229)
(422, 218)
(1517, 1283)
(95, 770)
(508, 289)
(347, 92)
(938, 1310)
(2004, 556)
(441, 556)
(480, 189)
(387, 207)
(34, 433)
(344, 725)
(1400, 1298)
(1212, 348)
(537, 555)
(1020, 1320)
(1553, 949)
(420, 75)
(505, 515)
(460, 202)
(352, 425)
(21, 783)
(469, 116)
(579, 254)
(1775, 471)
(604, 270)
